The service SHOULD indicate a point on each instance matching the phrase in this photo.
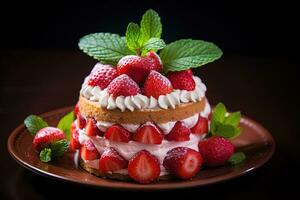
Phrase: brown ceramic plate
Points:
(255, 141)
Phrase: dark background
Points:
(42, 69)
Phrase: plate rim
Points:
(175, 185)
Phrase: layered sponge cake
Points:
(140, 114)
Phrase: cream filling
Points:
(139, 101)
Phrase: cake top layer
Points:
(131, 74)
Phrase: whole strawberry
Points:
(216, 151)
(46, 136)
(182, 80)
(102, 75)
(123, 85)
(137, 67)
(156, 84)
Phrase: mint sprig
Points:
(237, 158)
(151, 26)
(187, 53)
(65, 124)
(106, 47)
(45, 155)
(34, 123)
(54, 150)
(223, 124)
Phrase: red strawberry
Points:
(157, 63)
(91, 128)
(81, 122)
(183, 162)
(76, 109)
(182, 80)
(138, 67)
(88, 151)
(74, 141)
(201, 126)
(156, 84)
(46, 136)
(179, 133)
(215, 151)
(102, 75)
(144, 167)
(148, 134)
(117, 133)
(111, 161)
(123, 85)
(209, 116)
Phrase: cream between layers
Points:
(140, 101)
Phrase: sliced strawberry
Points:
(144, 167)
(111, 161)
(123, 85)
(76, 109)
(156, 84)
(74, 138)
(46, 136)
(117, 133)
(138, 67)
(91, 128)
(102, 75)
(148, 134)
(182, 80)
(179, 133)
(88, 151)
(81, 122)
(183, 162)
(201, 126)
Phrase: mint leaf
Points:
(133, 35)
(65, 124)
(226, 131)
(153, 44)
(237, 158)
(45, 155)
(60, 147)
(233, 119)
(150, 25)
(34, 123)
(219, 112)
(106, 47)
(187, 53)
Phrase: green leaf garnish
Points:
(34, 123)
(65, 124)
(106, 47)
(187, 53)
(60, 147)
(45, 155)
(151, 26)
(133, 36)
(153, 44)
(237, 158)
(225, 126)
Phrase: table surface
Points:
(34, 82)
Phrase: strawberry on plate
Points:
(123, 85)
(81, 122)
(138, 67)
(117, 133)
(102, 75)
(148, 134)
(111, 161)
(183, 162)
(91, 128)
(74, 140)
(156, 84)
(216, 150)
(179, 133)
(47, 136)
(201, 126)
(182, 80)
(88, 151)
(144, 167)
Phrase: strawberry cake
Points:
(141, 111)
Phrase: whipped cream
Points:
(140, 101)
(127, 150)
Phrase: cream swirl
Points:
(140, 101)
